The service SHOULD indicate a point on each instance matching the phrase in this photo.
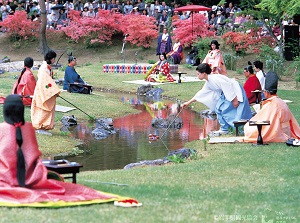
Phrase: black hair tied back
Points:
(21, 171)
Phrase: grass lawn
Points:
(226, 183)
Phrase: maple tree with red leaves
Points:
(141, 29)
(240, 41)
(19, 26)
(186, 32)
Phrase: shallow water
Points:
(131, 142)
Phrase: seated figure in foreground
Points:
(23, 177)
(283, 124)
(72, 80)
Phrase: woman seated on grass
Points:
(23, 177)
(160, 71)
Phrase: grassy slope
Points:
(226, 179)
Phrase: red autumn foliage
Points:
(186, 32)
(240, 41)
(18, 25)
(141, 29)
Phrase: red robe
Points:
(25, 86)
(283, 124)
(38, 187)
(252, 84)
(163, 67)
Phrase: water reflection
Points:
(131, 142)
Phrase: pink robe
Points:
(283, 124)
(38, 187)
(25, 86)
(44, 100)
(215, 60)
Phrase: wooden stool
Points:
(179, 76)
(257, 92)
(63, 167)
(259, 125)
(237, 124)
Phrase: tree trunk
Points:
(43, 47)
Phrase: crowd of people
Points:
(225, 17)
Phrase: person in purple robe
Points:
(164, 43)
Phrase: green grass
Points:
(232, 180)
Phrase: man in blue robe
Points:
(72, 80)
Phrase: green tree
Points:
(276, 11)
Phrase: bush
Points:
(273, 60)
(19, 27)
(203, 47)
(230, 60)
(294, 69)
(96, 31)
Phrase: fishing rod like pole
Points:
(92, 118)
(77, 107)
(171, 123)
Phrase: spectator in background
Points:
(85, 12)
(19, 8)
(128, 8)
(91, 12)
(62, 19)
(220, 23)
(14, 6)
(5, 10)
(164, 21)
(230, 21)
(103, 5)
(78, 6)
(141, 6)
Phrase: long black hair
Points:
(13, 112)
(49, 56)
(28, 63)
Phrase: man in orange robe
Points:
(44, 98)
(283, 124)
(25, 84)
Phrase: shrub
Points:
(19, 27)
(187, 32)
(242, 42)
(294, 69)
(95, 31)
(230, 60)
(273, 60)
